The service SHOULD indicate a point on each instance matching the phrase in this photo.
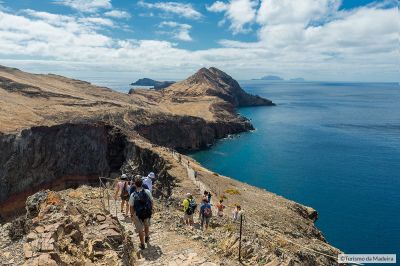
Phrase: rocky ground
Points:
(72, 228)
(66, 228)
(80, 227)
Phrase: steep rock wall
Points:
(64, 156)
(190, 133)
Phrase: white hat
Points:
(151, 175)
(124, 176)
(188, 194)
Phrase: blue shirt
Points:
(203, 207)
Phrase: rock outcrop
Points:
(214, 82)
(157, 85)
(72, 228)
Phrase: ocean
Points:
(332, 146)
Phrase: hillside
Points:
(214, 82)
(58, 133)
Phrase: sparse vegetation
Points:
(232, 191)
(230, 227)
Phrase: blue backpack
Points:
(142, 205)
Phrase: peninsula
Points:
(59, 133)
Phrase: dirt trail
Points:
(167, 247)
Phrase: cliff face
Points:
(43, 154)
(67, 155)
(189, 133)
(214, 82)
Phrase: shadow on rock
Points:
(151, 253)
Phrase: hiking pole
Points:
(240, 237)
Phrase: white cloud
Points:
(181, 9)
(239, 12)
(218, 6)
(86, 5)
(359, 44)
(117, 14)
(96, 21)
(275, 12)
(178, 31)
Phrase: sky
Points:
(330, 40)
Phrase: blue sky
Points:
(349, 40)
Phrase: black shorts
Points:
(125, 197)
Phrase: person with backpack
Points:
(122, 190)
(237, 212)
(207, 196)
(148, 180)
(205, 214)
(189, 207)
(141, 205)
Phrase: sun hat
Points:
(124, 176)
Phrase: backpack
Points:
(192, 207)
(142, 205)
(125, 191)
(207, 211)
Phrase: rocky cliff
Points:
(67, 155)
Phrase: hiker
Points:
(148, 181)
(205, 214)
(132, 187)
(189, 207)
(141, 205)
(122, 190)
(207, 196)
(237, 212)
(220, 208)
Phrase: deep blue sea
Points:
(332, 146)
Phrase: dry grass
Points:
(232, 191)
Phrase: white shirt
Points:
(138, 190)
(148, 182)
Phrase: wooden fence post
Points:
(240, 236)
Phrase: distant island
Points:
(271, 77)
(278, 78)
(297, 79)
(154, 83)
